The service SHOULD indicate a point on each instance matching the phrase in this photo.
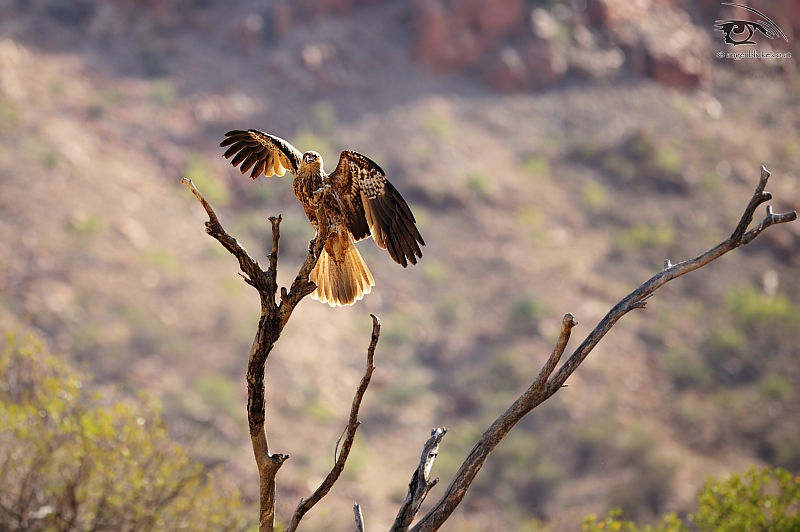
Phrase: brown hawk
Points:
(357, 198)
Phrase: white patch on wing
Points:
(372, 185)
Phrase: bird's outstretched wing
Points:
(375, 207)
(265, 153)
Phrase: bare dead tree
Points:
(274, 317)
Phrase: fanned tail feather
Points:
(341, 275)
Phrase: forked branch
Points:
(274, 317)
(420, 483)
(548, 384)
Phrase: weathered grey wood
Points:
(358, 517)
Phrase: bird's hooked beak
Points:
(309, 158)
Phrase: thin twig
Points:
(567, 324)
(642, 293)
(247, 264)
(352, 426)
(211, 215)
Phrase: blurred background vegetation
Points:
(75, 458)
(554, 154)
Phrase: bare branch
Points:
(420, 484)
(771, 219)
(458, 487)
(646, 290)
(352, 426)
(273, 257)
(759, 197)
(211, 215)
(567, 324)
(545, 386)
(359, 518)
(270, 325)
(248, 265)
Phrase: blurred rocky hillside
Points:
(554, 153)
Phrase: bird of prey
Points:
(357, 199)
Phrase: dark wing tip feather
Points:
(389, 217)
(258, 169)
(397, 225)
(256, 149)
(403, 227)
(232, 136)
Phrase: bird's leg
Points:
(315, 224)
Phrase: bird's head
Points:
(312, 159)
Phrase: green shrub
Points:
(640, 236)
(537, 166)
(324, 117)
(711, 182)
(639, 146)
(434, 272)
(757, 500)
(775, 387)
(43, 153)
(9, 115)
(220, 393)
(760, 500)
(618, 166)
(403, 392)
(75, 460)
(438, 125)
(669, 160)
(586, 150)
(686, 371)
(524, 314)
(479, 184)
(782, 449)
(162, 259)
(162, 93)
(726, 340)
(594, 196)
(751, 308)
(613, 522)
(86, 224)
